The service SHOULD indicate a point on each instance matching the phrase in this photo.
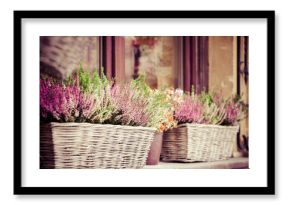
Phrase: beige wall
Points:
(166, 71)
(222, 64)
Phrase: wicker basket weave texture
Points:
(197, 142)
(85, 145)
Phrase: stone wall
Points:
(60, 55)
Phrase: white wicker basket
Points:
(198, 142)
(85, 145)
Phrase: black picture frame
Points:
(19, 189)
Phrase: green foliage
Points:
(206, 98)
(214, 114)
(99, 86)
(105, 108)
(141, 87)
(85, 80)
(159, 109)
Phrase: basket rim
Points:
(207, 125)
(85, 124)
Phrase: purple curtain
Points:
(195, 63)
(113, 56)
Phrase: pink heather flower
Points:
(189, 111)
(232, 113)
(87, 105)
(131, 108)
(64, 103)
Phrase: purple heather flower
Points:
(64, 103)
(232, 113)
(189, 111)
(87, 105)
(132, 108)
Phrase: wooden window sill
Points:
(232, 163)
